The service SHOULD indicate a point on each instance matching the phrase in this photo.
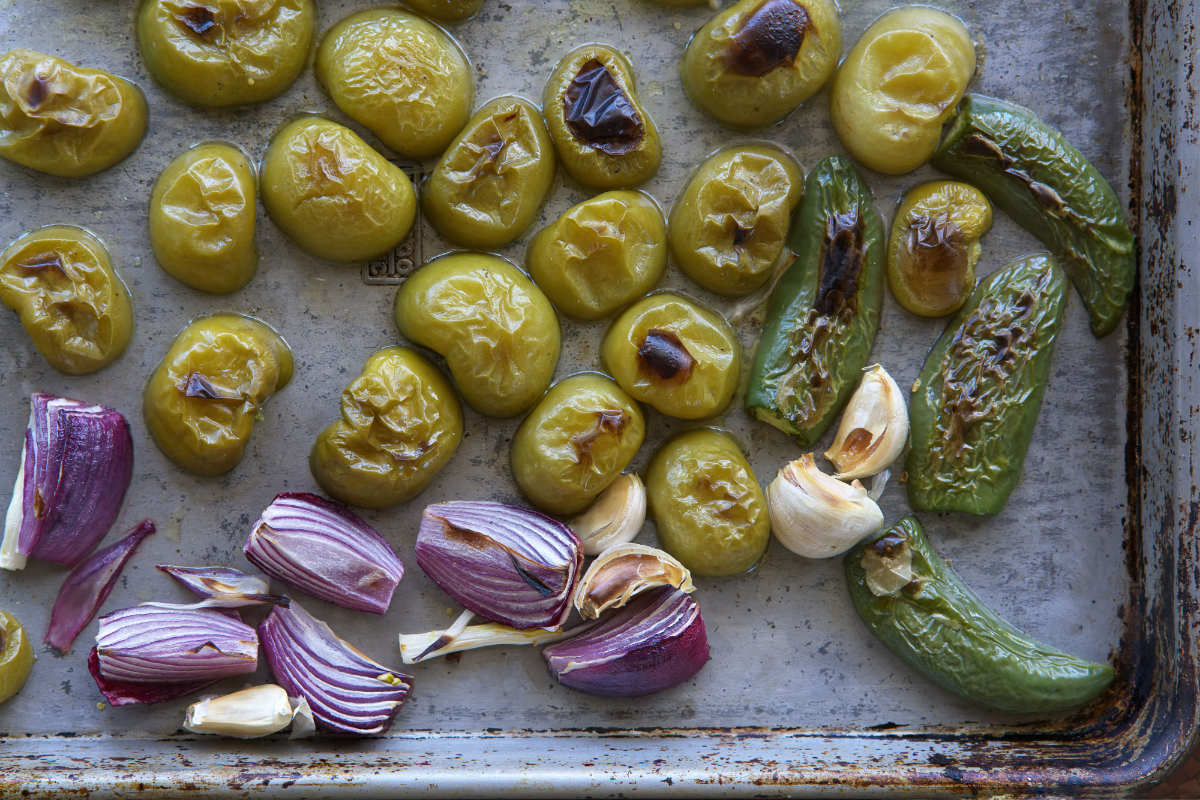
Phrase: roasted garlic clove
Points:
(614, 518)
(623, 571)
(874, 427)
(253, 712)
(817, 516)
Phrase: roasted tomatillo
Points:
(16, 656)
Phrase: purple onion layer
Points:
(121, 693)
(146, 644)
(223, 587)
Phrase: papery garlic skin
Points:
(615, 517)
(626, 570)
(248, 714)
(874, 427)
(817, 516)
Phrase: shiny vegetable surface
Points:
(681, 359)
(16, 656)
(203, 398)
(604, 136)
(226, 52)
(917, 606)
(824, 313)
(601, 254)
(757, 60)
(934, 246)
(898, 85)
(202, 212)
(708, 508)
(66, 120)
(400, 423)
(327, 189)
(493, 178)
(72, 303)
(497, 331)
(978, 395)
(1032, 172)
(446, 10)
(730, 225)
(403, 77)
(575, 443)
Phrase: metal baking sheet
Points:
(1096, 550)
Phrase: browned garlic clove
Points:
(250, 713)
(817, 516)
(873, 429)
(623, 571)
(616, 516)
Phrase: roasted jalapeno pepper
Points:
(575, 443)
(824, 313)
(681, 359)
(601, 254)
(446, 10)
(754, 62)
(708, 508)
(338, 198)
(66, 120)
(403, 77)
(604, 137)
(400, 424)
(730, 225)
(497, 331)
(493, 178)
(226, 52)
(202, 212)
(1032, 172)
(977, 398)
(72, 303)
(16, 656)
(917, 606)
(203, 398)
(934, 246)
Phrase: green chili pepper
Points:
(1032, 172)
(976, 401)
(917, 606)
(823, 315)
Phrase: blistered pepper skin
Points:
(446, 10)
(708, 509)
(489, 185)
(753, 63)
(202, 214)
(72, 303)
(401, 76)
(66, 120)
(1033, 173)
(497, 331)
(601, 254)
(220, 53)
(16, 656)
(575, 442)
(942, 629)
(979, 393)
(335, 196)
(604, 137)
(671, 354)
(824, 313)
(203, 398)
(400, 424)
(729, 227)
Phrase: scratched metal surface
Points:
(1092, 552)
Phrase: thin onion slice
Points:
(221, 587)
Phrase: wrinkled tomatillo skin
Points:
(604, 137)
(66, 120)
(334, 195)
(497, 331)
(400, 423)
(708, 508)
(576, 442)
(402, 77)
(600, 254)
(203, 398)
(681, 359)
(72, 303)
(202, 213)
(493, 178)
(216, 53)
(446, 10)
(757, 60)
(730, 225)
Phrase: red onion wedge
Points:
(655, 642)
(88, 586)
(508, 564)
(75, 467)
(323, 548)
(124, 693)
(348, 692)
(145, 644)
(222, 587)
